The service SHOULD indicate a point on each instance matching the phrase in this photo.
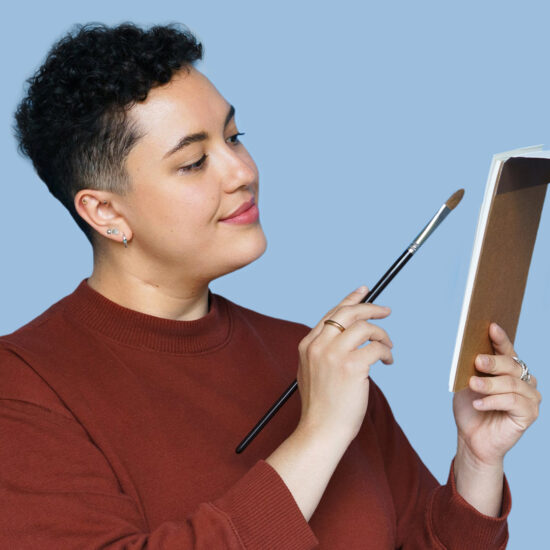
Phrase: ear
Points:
(101, 211)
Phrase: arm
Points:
(59, 491)
(306, 461)
(267, 508)
(429, 515)
(491, 415)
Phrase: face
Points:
(181, 189)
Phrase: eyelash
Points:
(196, 166)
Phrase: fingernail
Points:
(477, 382)
(478, 403)
(499, 329)
(361, 289)
(483, 361)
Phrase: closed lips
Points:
(245, 206)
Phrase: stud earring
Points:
(113, 231)
(84, 201)
(104, 202)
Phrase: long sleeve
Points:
(118, 431)
(430, 515)
(59, 492)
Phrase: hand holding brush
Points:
(322, 327)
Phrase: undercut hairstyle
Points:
(72, 122)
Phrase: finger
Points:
(347, 315)
(354, 297)
(523, 411)
(359, 333)
(501, 364)
(498, 364)
(503, 384)
(501, 343)
(373, 352)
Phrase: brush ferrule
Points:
(430, 228)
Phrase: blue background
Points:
(363, 119)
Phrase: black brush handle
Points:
(377, 289)
(369, 298)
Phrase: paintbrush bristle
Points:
(454, 199)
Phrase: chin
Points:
(247, 253)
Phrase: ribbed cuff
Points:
(454, 519)
(264, 512)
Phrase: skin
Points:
(177, 245)
(491, 415)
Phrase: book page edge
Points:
(534, 151)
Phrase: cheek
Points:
(191, 212)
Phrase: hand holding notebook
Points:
(503, 246)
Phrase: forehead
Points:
(188, 103)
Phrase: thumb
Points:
(501, 343)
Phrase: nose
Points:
(239, 169)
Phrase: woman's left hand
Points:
(494, 411)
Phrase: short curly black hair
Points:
(72, 122)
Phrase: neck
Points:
(161, 295)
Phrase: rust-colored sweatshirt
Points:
(118, 431)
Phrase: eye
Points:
(195, 167)
(235, 138)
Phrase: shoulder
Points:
(20, 383)
(19, 379)
(275, 328)
(45, 322)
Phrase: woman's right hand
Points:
(334, 388)
(333, 374)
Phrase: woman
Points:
(121, 405)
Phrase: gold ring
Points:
(335, 324)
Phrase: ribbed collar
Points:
(88, 307)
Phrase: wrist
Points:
(478, 482)
(305, 461)
(333, 437)
(475, 461)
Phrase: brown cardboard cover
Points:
(505, 257)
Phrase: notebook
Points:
(504, 241)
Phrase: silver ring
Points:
(525, 374)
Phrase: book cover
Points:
(503, 246)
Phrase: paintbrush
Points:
(420, 239)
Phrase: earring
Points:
(113, 231)
(84, 201)
(104, 202)
(124, 241)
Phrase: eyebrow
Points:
(198, 136)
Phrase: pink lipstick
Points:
(246, 213)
